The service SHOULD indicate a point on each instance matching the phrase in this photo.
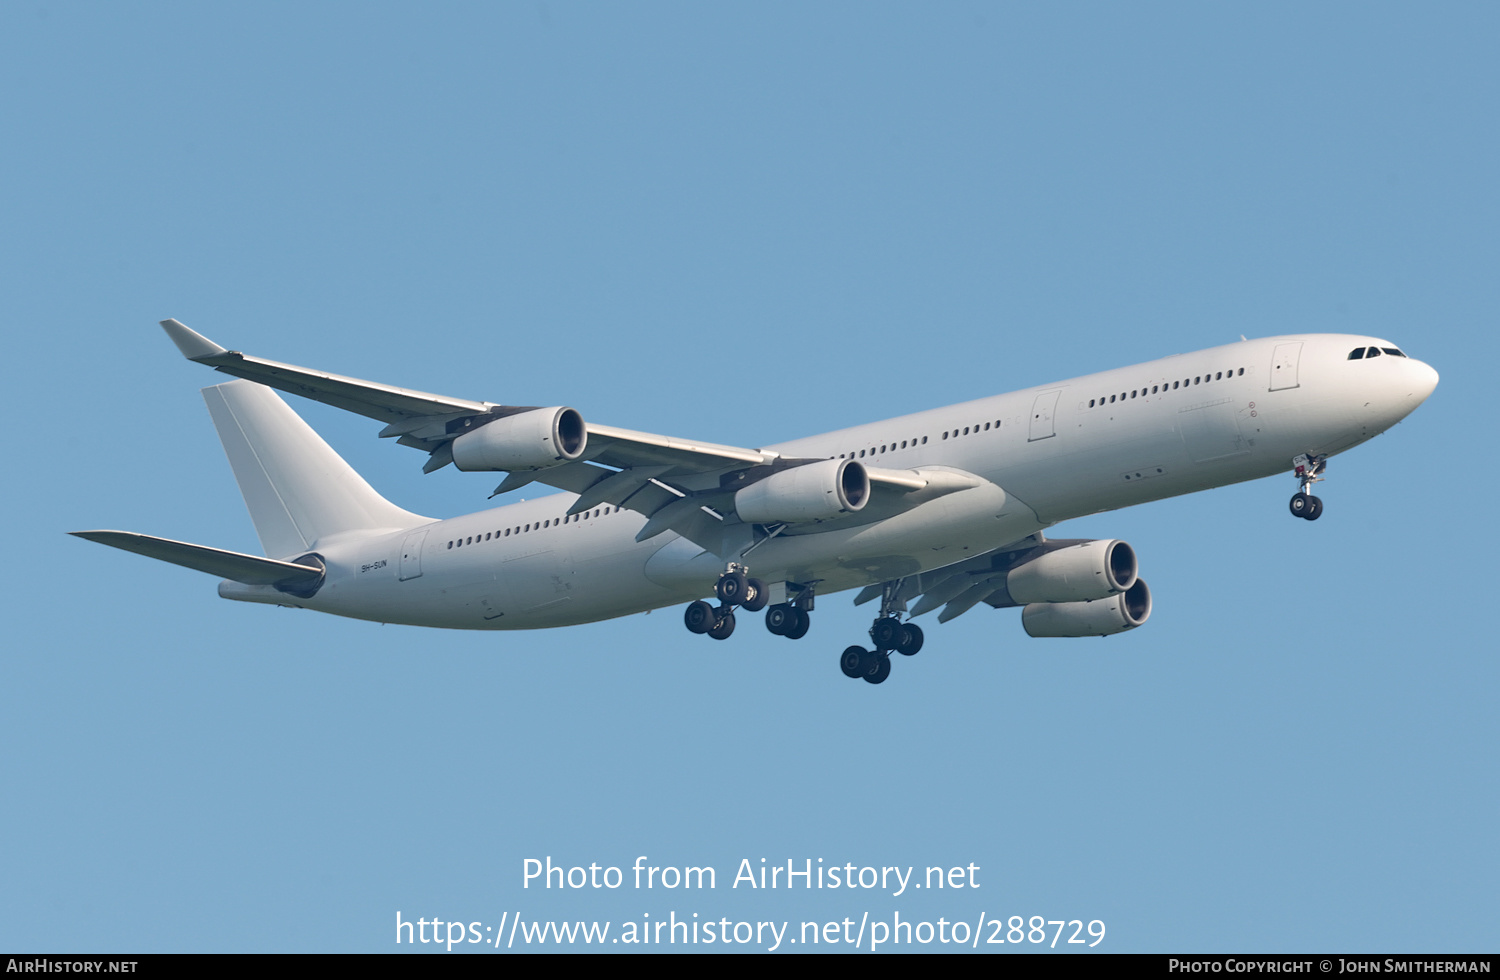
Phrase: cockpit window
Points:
(1363, 352)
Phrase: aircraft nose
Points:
(1423, 380)
(1405, 389)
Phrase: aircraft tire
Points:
(800, 628)
(854, 662)
(756, 596)
(885, 633)
(732, 587)
(1299, 504)
(699, 617)
(910, 641)
(723, 628)
(879, 671)
(1314, 508)
(780, 618)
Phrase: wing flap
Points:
(616, 486)
(968, 599)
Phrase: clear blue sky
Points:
(745, 223)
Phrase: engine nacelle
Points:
(1101, 617)
(1077, 573)
(814, 492)
(529, 441)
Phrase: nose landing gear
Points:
(1308, 469)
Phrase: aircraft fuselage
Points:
(1049, 453)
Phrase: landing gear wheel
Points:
(699, 617)
(723, 627)
(885, 633)
(855, 661)
(756, 596)
(780, 618)
(880, 670)
(732, 587)
(910, 641)
(1308, 469)
(803, 624)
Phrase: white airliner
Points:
(944, 508)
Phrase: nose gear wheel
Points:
(1308, 469)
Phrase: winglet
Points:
(194, 345)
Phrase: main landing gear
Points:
(1308, 469)
(734, 588)
(888, 634)
(791, 619)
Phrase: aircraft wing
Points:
(677, 484)
(384, 403)
(426, 421)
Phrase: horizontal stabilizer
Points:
(249, 569)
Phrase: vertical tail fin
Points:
(297, 488)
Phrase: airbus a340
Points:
(944, 508)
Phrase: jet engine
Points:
(814, 492)
(1101, 617)
(1077, 573)
(531, 440)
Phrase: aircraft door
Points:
(411, 555)
(1284, 366)
(1042, 412)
